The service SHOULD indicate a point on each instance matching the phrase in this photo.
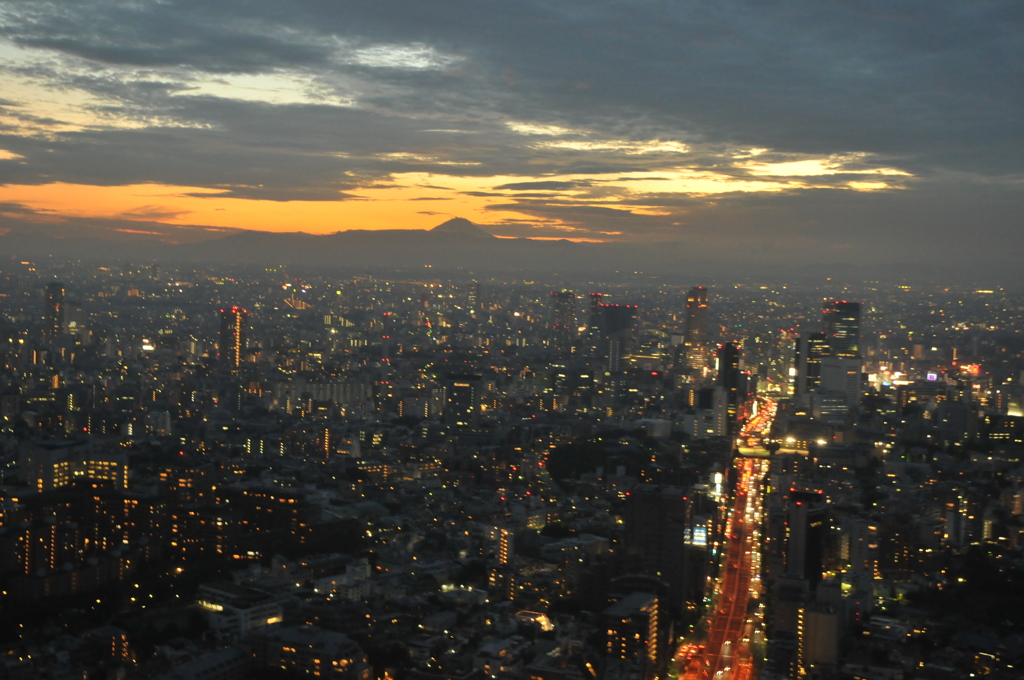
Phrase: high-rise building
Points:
(806, 529)
(696, 332)
(657, 518)
(563, 319)
(231, 343)
(618, 325)
(595, 305)
(810, 349)
(54, 324)
(842, 328)
(474, 298)
(731, 377)
(506, 545)
(840, 377)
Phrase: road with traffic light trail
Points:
(728, 651)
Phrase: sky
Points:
(858, 130)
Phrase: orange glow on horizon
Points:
(409, 206)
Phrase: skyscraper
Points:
(54, 324)
(810, 348)
(657, 518)
(806, 528)
(231, 343)
(731, 377)
(563, 319)
(473, 296)
(595, 305)
(842, 328)
(696, 332)
(697, 316)
(618, 324)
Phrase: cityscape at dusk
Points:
(619, 340)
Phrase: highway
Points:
(726, 653)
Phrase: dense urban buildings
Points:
(291, 473)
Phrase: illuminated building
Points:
(842, 328)
(308, 650)
(74, 319)
(473, 295)
(696, 332)
(709, 415)
(506, 545)
(231, 341)
(658, 519)
(54, 464)
(818, 629)
(863, 548)
(632, 631)
(54, 324)
(501, 582)
(731, 377)
(810, 349)
(237, 609)
(619, 323)
(325, 443)
(462, 400)
(563, 319)
(840, 376)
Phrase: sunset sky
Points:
(850, 130)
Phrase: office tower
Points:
(806, 528)
(618, 324)
(54, 323)
(842, 328)
(632, 631)
(592, 339)
(696, 338)
(462, 400)
(715, 402)
(863, 542)
(563, 319)
(231, 343)
(595, 306)
(810, 348)
(74, 322)
(473, 298)
(840, 377)
(731, 377)
(657, 518)
(708, 415)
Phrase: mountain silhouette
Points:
(460, 226)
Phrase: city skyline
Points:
(219, 472)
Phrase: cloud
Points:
(651, 121)
(542, 186)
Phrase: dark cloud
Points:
(542, 186)
(360, 92)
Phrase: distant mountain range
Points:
(459, 245)
(455, 244)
